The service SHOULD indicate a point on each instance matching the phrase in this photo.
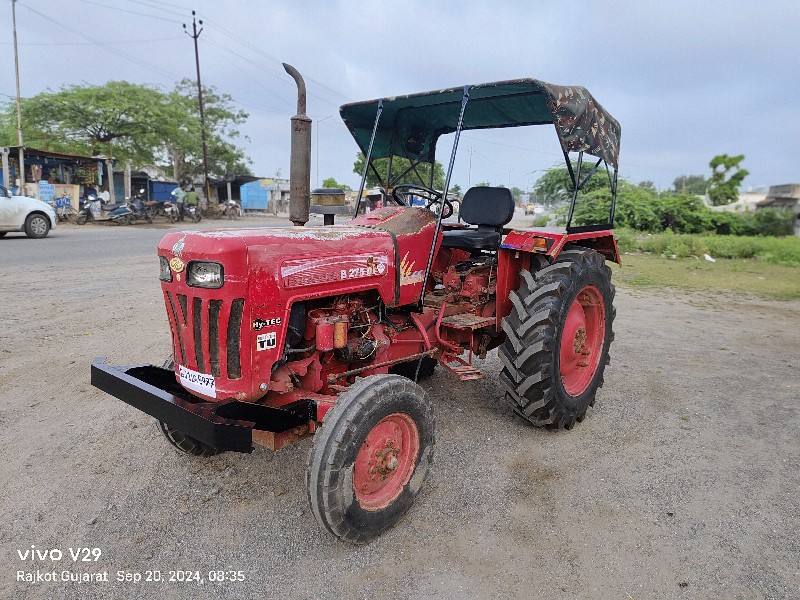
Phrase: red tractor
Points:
(281, 333)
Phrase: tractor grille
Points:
(207, 333)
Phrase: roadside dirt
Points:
(682, 482)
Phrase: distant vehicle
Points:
(20, 213)
(534, 209)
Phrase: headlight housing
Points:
(204, 274)
(165, 273)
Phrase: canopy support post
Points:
(464, 100)
(368, 157)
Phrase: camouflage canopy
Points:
(411, 125)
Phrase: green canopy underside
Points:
(411, 125)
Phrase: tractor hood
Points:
(278, 264)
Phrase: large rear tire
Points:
(558, 336)
(370, 457)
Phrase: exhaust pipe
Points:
(300, 165)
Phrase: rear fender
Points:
(520, 248)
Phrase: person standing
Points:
(179, 196)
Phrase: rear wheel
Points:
(370, 457)
(558, 335)
(37, 226)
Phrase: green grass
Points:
(738, 276)
(783, 251)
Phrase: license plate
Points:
(198, 382)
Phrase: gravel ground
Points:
(681, 483)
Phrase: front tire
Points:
(370, 457)
(181, 441)
(37, 226)
(186, 443)
(558, 336)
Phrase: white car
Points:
(19, 213)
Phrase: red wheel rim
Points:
(385, 462)
(582, 340)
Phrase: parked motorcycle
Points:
(163, 208)
(133, 210)
(94, 210)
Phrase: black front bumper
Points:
(226, 425)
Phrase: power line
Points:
(118, 43)
(257, 50)
(158, 7)
(132, 12)
(111, 49)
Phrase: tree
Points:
(556, 184)
(648, 185)
(134, 122)
(517, 192)
(183, 138)
(331, 182)
(690, 184)
(118, 118)
(456, 190)
(419, 174)
(635, 208)
(724, 189)
(684, 213)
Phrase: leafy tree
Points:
(556, 184)
(483, 184)
(690, 184)
(419, 174)
(724, 189)
(635, 208)
(456, 190)
(331, 182)
(684, 214)
(648, 185)
(183, 138)
(517, 192)
(117, 118)
(773, 221)
(134, 122)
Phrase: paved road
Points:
(67, 243)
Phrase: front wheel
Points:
(558, 336)
(186, 443)
(370, 457)
(37, 226)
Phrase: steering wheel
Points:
(434, 201)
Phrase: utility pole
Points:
(19, 105)
(318, 124)
(194, 35)
(469, 172)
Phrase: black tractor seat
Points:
(487, 207)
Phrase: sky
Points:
(686, 79)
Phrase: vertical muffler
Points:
(300, 165)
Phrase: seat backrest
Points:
(493, 206)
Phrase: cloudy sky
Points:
(687, 79)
